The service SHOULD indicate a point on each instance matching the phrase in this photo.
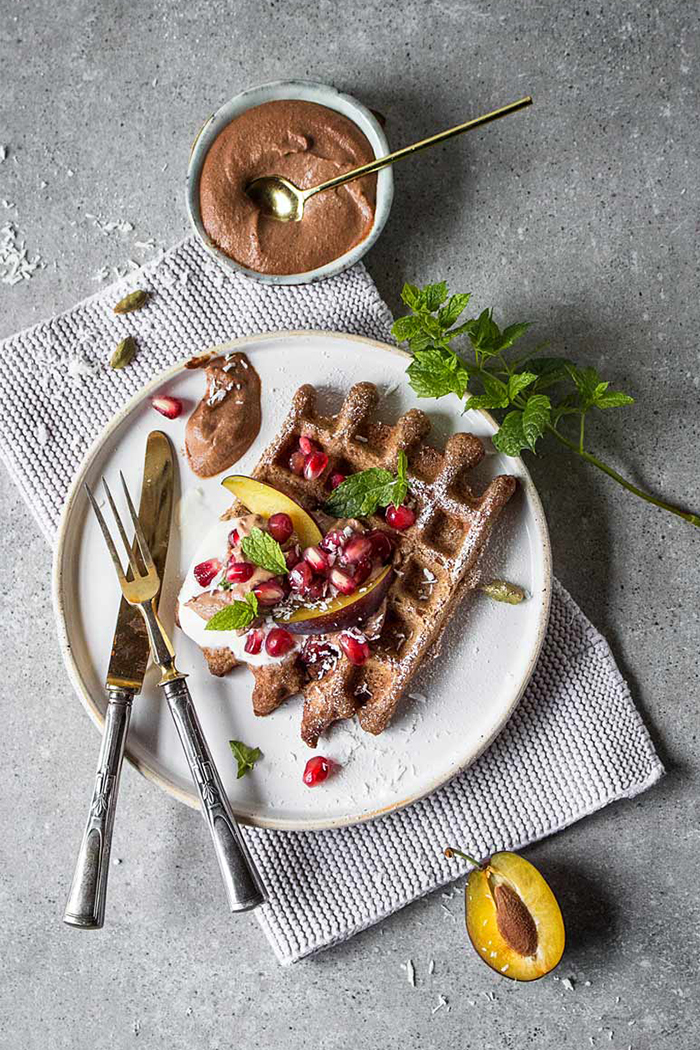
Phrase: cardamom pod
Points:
(124, 353)
(503, 591)
(132, 301)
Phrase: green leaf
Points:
(549, 370)
(510, 438)
(535, 418)
(245, 756)
(485, 333)
(567, 406)
(420, 341)
(454, 309)
(519, 382)
(495, 394)
(405, 327)
(503, 591)
(437, 372)
(513, 332)
(587, 381)
(260, 548)
(361, 494)
(410, 294)
(433, 296)
(613, 399)
(236, 616)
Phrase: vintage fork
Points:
(244, 887)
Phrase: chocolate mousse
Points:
(226, 421)
(308, 144)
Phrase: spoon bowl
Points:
(277, 197)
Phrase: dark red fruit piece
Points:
(292, 557)
(301, 576)
(357, 548)
(280, 527)
(239, 571)
(307, 446)
(333, 541)
(361, 571)
(356, 650)
(205, 572)
(317, 769)
(342, 581)
(315, 651)
(315, 465)
(233, 538)
(170, 407)
(278, 642)
(400, 517)
(382, 546)
(296, 462)
(317, 559)
(253, 642)
(336, 479)
(316, 589)
(269, 593)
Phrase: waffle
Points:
(433, 559)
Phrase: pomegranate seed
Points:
(336, 479)
(316, 589)
(239, 571)
(357, 548)
(170, 407)
(296, 462)
(356, 649)
(233, 538)
(317, 769)
(382, 546)
(333, 540)
(400, 517)
(280, 527)
(205, 572)
(301, 576)
(342, 582)
(269, 593)
(253, 642)
(317, 559)
(292, 557)
(278, 642)
(307, 446)
(315, 465)
(362, 570)
(315, 651)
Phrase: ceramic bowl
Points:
(310, 91)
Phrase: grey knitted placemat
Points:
(576, 741)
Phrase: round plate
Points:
(456, 705)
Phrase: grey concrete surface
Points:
(579, 215)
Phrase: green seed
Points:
(503, 591)
(124, 353)
(132, 301)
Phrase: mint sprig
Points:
(245, 756)
(362, 494)
(236, 616)
(260, 548)
(533, 395)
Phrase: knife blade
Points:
(130, 649)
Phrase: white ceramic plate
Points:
(458, 703)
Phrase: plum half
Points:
(264, 500)
(513, 919)
(342, 612)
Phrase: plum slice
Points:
(262, 499)
(344, 611)
(513, 918)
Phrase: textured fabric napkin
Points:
(576, 741)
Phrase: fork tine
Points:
(125, 539)
(108, 538)
(143, 545)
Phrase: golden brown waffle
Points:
(433, 560)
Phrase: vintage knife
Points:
(127, 667)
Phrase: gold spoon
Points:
(280, 199)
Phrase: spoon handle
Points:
(406, 151)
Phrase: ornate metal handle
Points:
(244, 887)
(88, 892)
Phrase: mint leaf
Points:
(520, 381)
(260, 548)
(613, 399)
(410, 294)
(511, 333)
(587, 381)
(361, 494)
(455, 308)
(510, 438)
(405, 327)
(549, 370)
(236, 616)
(495, 395)
(535, 418)
(433, 296)
(245, 756)
(437, 372)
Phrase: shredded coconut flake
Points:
(15, 264)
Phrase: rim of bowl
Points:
(306, 90)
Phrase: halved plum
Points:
(344, 611)
(264, 500)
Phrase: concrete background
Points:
(580, 215)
